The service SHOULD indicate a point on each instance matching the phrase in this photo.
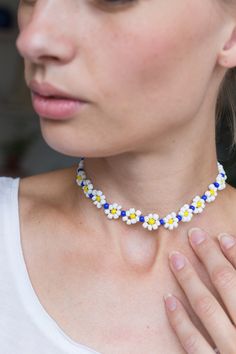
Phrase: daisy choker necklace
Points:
(151, 221)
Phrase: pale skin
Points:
(151, 70)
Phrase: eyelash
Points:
(115, 2)
(27, 2)
(102, 2)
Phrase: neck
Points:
(151, 182)
(159, 180)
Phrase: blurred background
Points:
(23, 151)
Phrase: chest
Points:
(95, 307)
(92, 302)
(104, 313)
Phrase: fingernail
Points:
(196, 235)
(227, 241)
(170, 302)
(177, 260)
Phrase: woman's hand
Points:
(220, 263)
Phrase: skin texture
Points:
(151, 115)
(150, 71)
(136, 91)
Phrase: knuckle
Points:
(204, 305)
(224, 277)
(191, 344)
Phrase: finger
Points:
(228, 246)
(190, 338)
(219, 268)
(204, 303)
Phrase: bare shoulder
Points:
(45, 189)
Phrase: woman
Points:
(133, 88)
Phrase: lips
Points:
(45, 89)
(51, 103)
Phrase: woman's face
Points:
(145, 67)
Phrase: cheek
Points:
(150, 68)
(143, 76)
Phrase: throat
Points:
(141, 252)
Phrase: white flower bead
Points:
(171, 221)
(211, 193)
(151, 222)
(87, 188)
(98, 198)
(81, 176)
(220, 168)
(186, 213)
(132, 216)
(199, 205)
(81, 163)
(114, 211)
(221, 181)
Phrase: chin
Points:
(74, 141)
(79, 148)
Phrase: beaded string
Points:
(151, 221)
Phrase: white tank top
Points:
(25, 326)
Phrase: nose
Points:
(47, 35)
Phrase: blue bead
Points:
(90, 195)
(222, 174)
(123, 213)
(162, 222)
(80, 169)
(192, 207)
(204, 197)
(106, 206)
(179, 217)
(216, 184)
(141, 218)
(82, 184)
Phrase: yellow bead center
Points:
(132, 216)
(86, 189)
(186, 213)
(79, 178)
(212, 192)
(98, 198)
(151, 221)
(113, 211)
(171, 221)
(199, 204)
